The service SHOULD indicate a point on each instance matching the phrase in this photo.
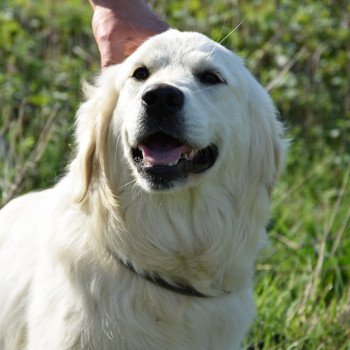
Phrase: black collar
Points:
(158, 281)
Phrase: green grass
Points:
(302, 288)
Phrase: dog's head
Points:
(180, 111)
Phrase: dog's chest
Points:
(135, 314)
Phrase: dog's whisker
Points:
(204, 89)
(133, 181)
(137, 191)
(213, 52)
(232, 31)
(222, 29)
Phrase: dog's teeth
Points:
(149, 164)
(168, 164)
(189, 155)
(192, 154)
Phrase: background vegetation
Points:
(300, 51)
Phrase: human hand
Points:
(120, 26)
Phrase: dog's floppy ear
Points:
(92, 123)
(267, 144)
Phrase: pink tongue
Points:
(157, 152)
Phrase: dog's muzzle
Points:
(163, 154)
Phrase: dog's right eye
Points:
(141, 73)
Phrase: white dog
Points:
(149, 240)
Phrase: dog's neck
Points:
(195, 236)
(176, 287)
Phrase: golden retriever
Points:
(149, 240)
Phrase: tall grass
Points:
(302, 287)
(301, 53)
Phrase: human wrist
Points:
(116, 4)
(120, 26)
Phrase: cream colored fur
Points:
(61, 289)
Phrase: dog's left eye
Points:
(141, 73)
(210, 78)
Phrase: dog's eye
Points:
(210, 78)
(141, 73)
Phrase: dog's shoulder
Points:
(24, 213)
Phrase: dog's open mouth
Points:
(165, 158)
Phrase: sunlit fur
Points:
(60, 288)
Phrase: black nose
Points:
(162, 100)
